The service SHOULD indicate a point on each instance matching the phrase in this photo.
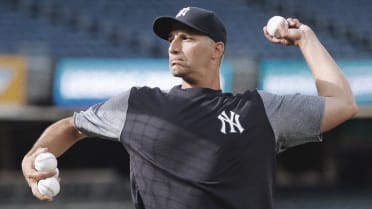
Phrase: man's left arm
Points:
(330, 82)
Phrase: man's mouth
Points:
(176, 61)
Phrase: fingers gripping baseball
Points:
(283, 31)
(34, 175)
(294, 23)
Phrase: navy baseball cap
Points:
(201, 20)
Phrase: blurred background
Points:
(57, 57)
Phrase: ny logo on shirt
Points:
(232, 120)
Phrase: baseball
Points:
(57, 173)
(45, 162)
(49, 186)
(274, 24)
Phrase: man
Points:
(194, 146)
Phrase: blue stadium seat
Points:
(126, 26)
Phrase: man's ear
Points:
(219, 50)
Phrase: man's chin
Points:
(177, 73)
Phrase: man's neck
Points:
(214, 85)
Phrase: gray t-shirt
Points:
(295, 119)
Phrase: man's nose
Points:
(174, 47)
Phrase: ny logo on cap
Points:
(183, 11)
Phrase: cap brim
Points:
(164, 25)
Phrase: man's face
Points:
(190, 53)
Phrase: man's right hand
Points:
(32, 176)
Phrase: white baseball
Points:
(57, 173)
(49, 186)
(274, 24)
(45, 162)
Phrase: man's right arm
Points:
(57, 139)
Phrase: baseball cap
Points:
(201, 20)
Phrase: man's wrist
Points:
(307, 37)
